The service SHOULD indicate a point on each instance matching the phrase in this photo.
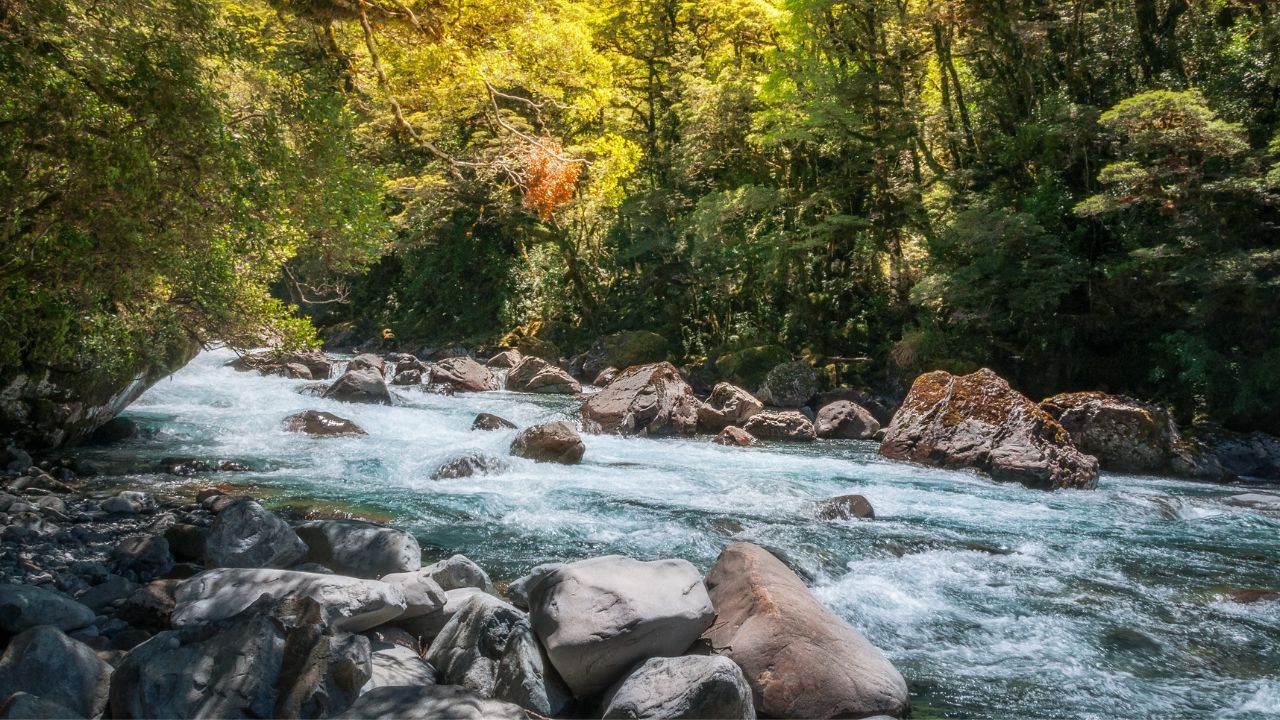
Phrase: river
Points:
(994, 601)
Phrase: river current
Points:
(995, 601)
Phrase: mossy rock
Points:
(624, 349)
(790, 384)
(749, 366)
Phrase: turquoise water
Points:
(993, 600)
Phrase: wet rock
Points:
(422, 594)
(48, 664)
(367, 361)
(429, 702)
(518, 591)
(359, 548)
(644, 400)
(504, 360)
(38, 480)
(1245, 596)
(459, 572)
(557, 442)
(598, 617)
(316, 364)
(788, 425)
(846, 420)
(735, 437)
(186, 467)
(25, 706)
(406, 362)
(142, 557)
(1125, 434)
(727, 405)
(1256, 501)
(845, 507)
(692, 686)
(536, 375)
(350, 604)
(26, 606)
(486, 421)
(789, 384)
(489, 649)
(412, 376)
(244, 534)
(978, 421)
(474, 463)
(360, 386)
(801, 660)
(395, 665)
(321, 424)
(464, 375)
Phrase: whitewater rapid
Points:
(993, 600)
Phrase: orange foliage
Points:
(549, 179)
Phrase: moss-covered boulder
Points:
(624, 349)
(748, 366)
(790, 384)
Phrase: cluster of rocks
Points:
(132, 605)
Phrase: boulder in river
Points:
(367, 361)
(845, 507)
(48, 664)
(557, 442)
(1254, 455)
(598, 617)
(536, 375)
(504, 360)
(727, 405)
(472, 463)
(244, 534)
(412, 376)
(623, 350)
(801, 660)
(978, 421)
(846, 420)
(676, 688)
(430, 702)
(317, 365)
(1125, 434)
(464, 374)
(644, 400)
(318, 423)
(1258, 501)
(788, 425)
(734, 436)
(364, 385)
(359, 548)
(789, 384)
(351, 604)
(488, 421)
(422, 594)
(26, 606)
(459, 571)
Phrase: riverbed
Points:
(994, 601)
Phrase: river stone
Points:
(363, 385)
(359, 548)
(1253, 455)
(789, 425)
(727, 405)
(489, 649)
(473, 463)
(644, 400)
(504, 360)
(734, 436)
(394, 665)
(1256, 501)
(244, 534)
(518, 591)
(367, 361)
(105, 593)
(978, 421)
(26, 606)
(801, 660)
(598, 617)
(464, 374)
(25, 706)
(845, 507)
(351, 604)
(692, 686)
(845, 419)
(789, 384)
(422, 594)
(426, 627)
(487, 421)
(318, 423)
(413, 376)
(187, 541)
(46, 663)
(429, 702)
(536, 375)
(128, 502)
(557, 442)
(142, 557)
(1125, 434)
(150, 606)
(459, 572)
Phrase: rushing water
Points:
(993, 600)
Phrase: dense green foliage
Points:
(1077, 193)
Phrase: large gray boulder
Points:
(847, 420)
(801, 660)
(459, 571)
(359, 548)
(422, 594)
(245, 534)
(363, 385)
(464, 374)
(489, 649)
(519, 589)
(26, 606)
(392, 665)
(557, 442)
(692, 687)
(644, 400)
(727, 405)
(789, 384)
(46, 663)
(317, 423)
(429, 702)
(427, 626)
(600, 616)
(1125, 434)
(536, 375)
(350, 604)
(978, 421)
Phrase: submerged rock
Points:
(321, 424)
(801, 660)
(676, 688)
(727, 405)
(845, 507)
(46, 663)
(598, 617)
(487, 421)
(364, 385)
(846, 420)
(978, 421)
(644, 400)
(464, 374)
(474, 463)
(788, 425)
(735, 437)
(556, 442)
(350, 604)
(359, 548)
(244, 534)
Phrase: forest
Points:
(1079, 194)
